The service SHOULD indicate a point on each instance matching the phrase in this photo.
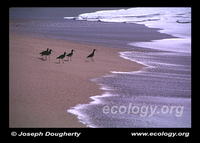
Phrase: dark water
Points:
(97, 33)
(56, 13)
(158, 96)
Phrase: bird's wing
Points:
(42, 52)
(59, 57)
(70, 54)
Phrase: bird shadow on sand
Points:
(42, 59)
(58, 62)
(87, 61)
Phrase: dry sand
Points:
(41, 92)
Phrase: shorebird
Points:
(47, 53)
(44, 52)
(70, 55)
(91, 55)
(61, 57)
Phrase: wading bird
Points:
(47, 53)
(92, 55)
(70, 55)
(61, 57)
(44, 52)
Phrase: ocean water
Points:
(163, 84)
(157, 96)
(173, 21)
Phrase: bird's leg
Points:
(70, 58)
(49, 58)
(92, 59)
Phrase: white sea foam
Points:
(132, 72)
(126, 55)
(137, 15)
(174, 44)
(175, 21)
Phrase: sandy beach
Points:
(74, 94)
(41, 91)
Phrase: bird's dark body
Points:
(46, 53)
(61, 57)
(92, 55)
(70, 54)
(42, 53)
